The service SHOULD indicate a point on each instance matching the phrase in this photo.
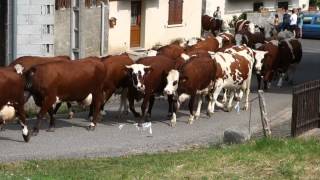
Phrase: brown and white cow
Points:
(270, 63)
(234, 71)
(28, 61)
(211, 24)
(194, 80)
(290, 55)
(56, 82)
(117, 77)
(173, 50)
(149, 79)
(209, 44)
(249, 38)
(12, 97)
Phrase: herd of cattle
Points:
(196, 70)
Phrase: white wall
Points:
(156, 22)
(119, 35)
(154, 25)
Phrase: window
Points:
(175, 12)
(283, 5)
(317, 20)
(257, 6)
(307, 20)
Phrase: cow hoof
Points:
(70, 116)
(51, 129)
(26, 138)
(91, 128)
(190, 122)
(227, 109)
(210, 114)
(196, 117)
(35, 132)
(173, 124)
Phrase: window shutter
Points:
(175, 12)
(171, 12)
(179, 11)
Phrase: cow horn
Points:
(129, 66)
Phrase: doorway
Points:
(135, 31)
(3, 31)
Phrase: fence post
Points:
(263, 111)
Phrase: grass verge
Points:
(261, 159)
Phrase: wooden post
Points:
(265, 121)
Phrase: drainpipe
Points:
(14, 31)
(102, 28)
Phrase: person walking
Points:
(217, 13)
(300, 24)
(293, 22)
(276, 22)
(285, 20)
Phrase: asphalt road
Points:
(72, 140)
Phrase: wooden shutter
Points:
(179, 10)
(175, 12)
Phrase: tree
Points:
(314, 3)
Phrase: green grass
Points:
(261, 159)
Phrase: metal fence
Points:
(305, 107)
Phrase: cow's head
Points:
(259, 57)
(137, 72)
(172, 82)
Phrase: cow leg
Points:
(144, 104)
(22, 121)
(200, 99)
(56, 108)
(281, 80)
(96, 104)
(191, 103)
(151, 103)
(229, 105)
(52, 120)
(71, 112)
(46, 105)
(123, 103)
(224, 100)
(259, 81)
(131, 103)
(217, 90)
(174, 113)
(170, 102)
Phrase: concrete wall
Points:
(62, 32)
(33, 17)
(90, 31)
(154, 23)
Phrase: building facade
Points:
(80, 28)
(230, 8)
(145, 23)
